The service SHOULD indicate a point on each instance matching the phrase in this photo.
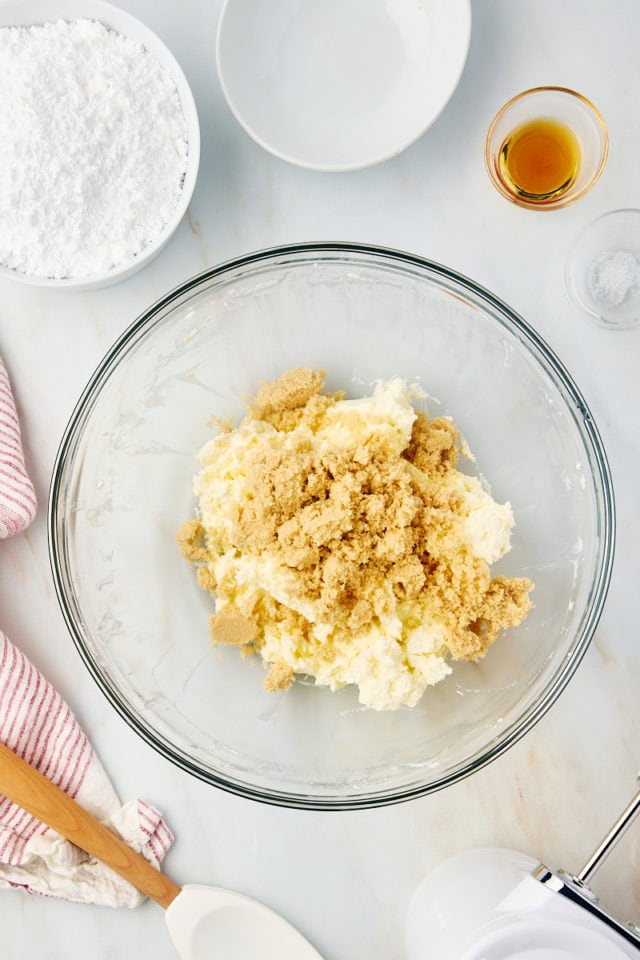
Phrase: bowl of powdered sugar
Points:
(99, 143)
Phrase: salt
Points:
(93, 149)
(613, 276)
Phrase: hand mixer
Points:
(495, 904)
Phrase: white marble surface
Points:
(345, 879)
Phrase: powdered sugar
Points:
(93, 149)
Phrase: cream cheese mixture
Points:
(341, 541)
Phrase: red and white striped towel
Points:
(17, 499)
(38, 725)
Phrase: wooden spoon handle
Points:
(32, 791)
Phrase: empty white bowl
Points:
(32, 12)
(340, 84)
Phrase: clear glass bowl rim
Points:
(537, 347)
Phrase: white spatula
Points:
(204, 922)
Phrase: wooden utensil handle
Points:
(32, 791)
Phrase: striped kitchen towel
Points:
(37, 724)
(17, 499)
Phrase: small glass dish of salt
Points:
(602, 271)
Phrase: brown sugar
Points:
(281, 402)
(190, 538)
(230, 627)
(279, 677)
(434, 445)
(350, 531)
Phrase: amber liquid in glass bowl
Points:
(540, 159)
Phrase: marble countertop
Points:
(345, 879)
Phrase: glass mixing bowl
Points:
(122, 485)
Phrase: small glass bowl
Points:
(566, 107)
(602, 270)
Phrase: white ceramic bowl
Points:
(340, 84)
(32, 12)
